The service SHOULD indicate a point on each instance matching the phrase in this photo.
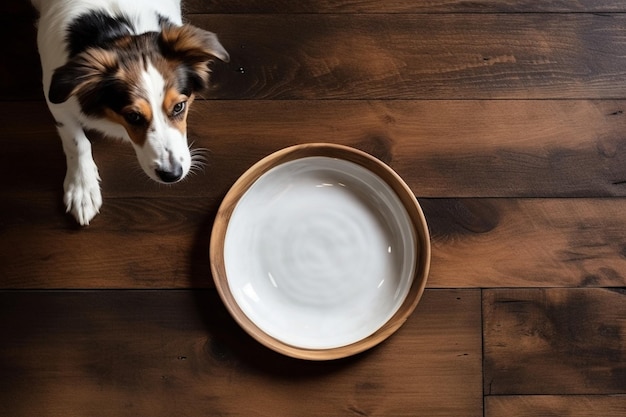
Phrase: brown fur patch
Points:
(102, 60)
(143, 107)
(138, 131)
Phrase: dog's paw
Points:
(82, 195)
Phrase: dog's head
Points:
(146, 84)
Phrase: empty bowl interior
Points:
(320, 251)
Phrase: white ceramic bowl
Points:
(320, 251)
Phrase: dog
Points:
(129, 69)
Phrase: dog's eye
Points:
(134, 118)
(178, 108)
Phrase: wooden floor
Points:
(506, 118)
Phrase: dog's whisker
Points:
(199, 155)
(199, 160)
(198, 166)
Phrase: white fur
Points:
(165, 144)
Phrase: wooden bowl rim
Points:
(387, 174)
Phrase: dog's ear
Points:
(79, 73)
(194, 47)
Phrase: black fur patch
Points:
(110, 93)
(95, 29)
(187, 81)
(163, 21)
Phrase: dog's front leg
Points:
(82, 195)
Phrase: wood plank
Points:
(448, 148)
(133, 243)
(554, 341)
(22, 7)
(420, 56)
(392, 56)
(164, 353)
(164, 242)
(553, 405)
(527, 242)
(401, 6)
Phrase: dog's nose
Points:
(170, 176)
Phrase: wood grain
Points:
(420, 56)
(554, 341)
(401, 6)
(393, 56)
(555, 405)
(129, 353)
(138, 244)
(527, 242)
(449, 148)
(507, 120)
(164, 243)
